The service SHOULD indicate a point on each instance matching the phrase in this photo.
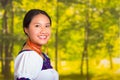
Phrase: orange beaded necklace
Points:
(34, 46)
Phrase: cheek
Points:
(32, 32)
(49, 32)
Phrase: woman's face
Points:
(39, 30)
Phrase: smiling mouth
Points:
(42, 37)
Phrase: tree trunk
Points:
(1, 54)
(6, 47)
(82, 63)
(7, 40)
(85, 51)
(56, 39)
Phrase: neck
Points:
(34, 46)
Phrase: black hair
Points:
(30, 14)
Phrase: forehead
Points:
(40, 17)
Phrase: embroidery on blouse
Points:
(46, 63)
(22, 79)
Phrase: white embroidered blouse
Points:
(28, 66)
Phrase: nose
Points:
(43, 30)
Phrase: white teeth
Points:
(42, 37)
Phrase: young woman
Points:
(31, 63)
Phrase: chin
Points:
(43, 43)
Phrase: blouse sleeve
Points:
(27, 65)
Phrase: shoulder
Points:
(28, 64)
(28, 55)
(29, 58)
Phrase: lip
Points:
(42, 37)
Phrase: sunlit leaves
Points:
(71, 17)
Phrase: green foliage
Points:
(69, 17)
(103, 29)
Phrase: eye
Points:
(47, 26)
(37, 25)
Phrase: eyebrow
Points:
(40, 23)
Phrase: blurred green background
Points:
(85, 41)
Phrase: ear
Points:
(26, 30)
